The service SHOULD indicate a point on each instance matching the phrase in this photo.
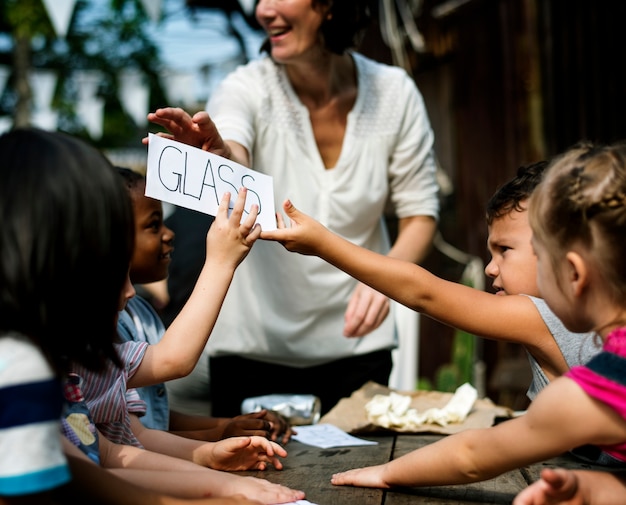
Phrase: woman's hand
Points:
(197, 131)
(366, 311)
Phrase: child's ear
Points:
(577, 273)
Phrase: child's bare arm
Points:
(222, 487)
(182, 478)
(228, 242)
(264, 423)
(508, 318)
(548, 429)
(127, 456)
(235, 453)
(137, 487)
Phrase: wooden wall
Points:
(507, 82)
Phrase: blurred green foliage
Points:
(104, 36)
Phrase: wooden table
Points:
(310, 468)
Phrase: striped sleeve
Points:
(31, 457)
(105, 393)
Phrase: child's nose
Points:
(491, 269)
(168, 235)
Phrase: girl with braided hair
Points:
(578, 218)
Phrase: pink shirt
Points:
(604, 378)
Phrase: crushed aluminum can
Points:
(299, 410)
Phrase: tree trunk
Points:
(21, 66)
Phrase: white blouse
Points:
(286, 308)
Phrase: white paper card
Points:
(195, 179)
(326, 436)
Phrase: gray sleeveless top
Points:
(577, 348)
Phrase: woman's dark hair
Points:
(66, 241)
(343, 26)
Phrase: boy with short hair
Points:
(516, 313)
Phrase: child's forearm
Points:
(169, 444)
(208, 435)
(100, 487)
(469, 456)
(180, 421)
(446, 462)
(127, 456)
(506, 318)
(182, 484)
(197, 427)
(180, 348)
(480, 454)
(196, 320)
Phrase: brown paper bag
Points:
(350, 414)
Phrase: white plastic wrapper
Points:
(299, 410)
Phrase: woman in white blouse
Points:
(347, 139)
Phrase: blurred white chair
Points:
(406, 356)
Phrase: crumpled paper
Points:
(394, 410)
(351, 416)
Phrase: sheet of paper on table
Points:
(326, 436)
